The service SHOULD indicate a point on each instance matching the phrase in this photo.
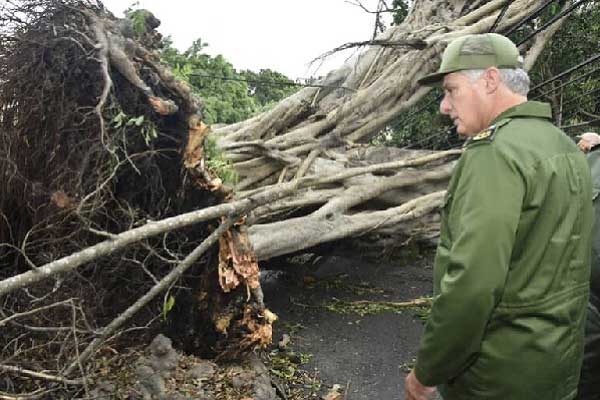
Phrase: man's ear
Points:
(492, 79)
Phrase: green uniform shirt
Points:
(512, 269)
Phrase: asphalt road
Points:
(367, 355)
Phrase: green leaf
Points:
(119, 119)
(136, 121)
(168, 305)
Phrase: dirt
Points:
(366, 348)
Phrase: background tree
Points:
(573, 96)
(268, 87)
(401, 11)
(227, 95)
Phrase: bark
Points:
(318, 137)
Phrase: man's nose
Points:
(445, 106)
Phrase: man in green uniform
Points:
(511, 274)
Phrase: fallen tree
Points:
(319, 136)
(97, 140)
(109, 198)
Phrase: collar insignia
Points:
(486, 133)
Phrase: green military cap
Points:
(479, 51)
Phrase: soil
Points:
(366, 348)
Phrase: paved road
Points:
(367, 354)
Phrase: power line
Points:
(269, 83)
(570, 82)
(535, 14)
(440, 133)
(501, 15)
(553, 20)
(414, 115)
(595, 90)
(567, 72)
(530, 17)
(591, 122)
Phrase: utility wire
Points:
(443, 132)
(592, 122)
(595, 90)
(500, 16)
(411, 116)
(553, 20)
(567, 72)
(271, 83)
(570, 82)
(415, 114)
(438, 98)
(530, 17)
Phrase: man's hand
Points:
(414, 390)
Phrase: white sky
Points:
(283, 35)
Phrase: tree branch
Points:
(39, 375)
(164, 284)
(75, 260)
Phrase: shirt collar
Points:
(533, 109)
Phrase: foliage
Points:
(363, 308)
(401, 7)
(146, 127)
(575, 42)
(168, 305)
(227, 95)
(289, 367)
(422, 126)
(268, 87)
(138, 18)
(340, 283)
(217, 162)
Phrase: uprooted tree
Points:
(316, 138)
(113, 211)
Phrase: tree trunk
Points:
(318, 134)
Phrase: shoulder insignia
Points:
(484, 134)
(488, 134)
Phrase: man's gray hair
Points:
(516, 79)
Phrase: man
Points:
(511, 274)
(589, 384)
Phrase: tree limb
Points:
(39, 375)
(121, 240)
(164, 284)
